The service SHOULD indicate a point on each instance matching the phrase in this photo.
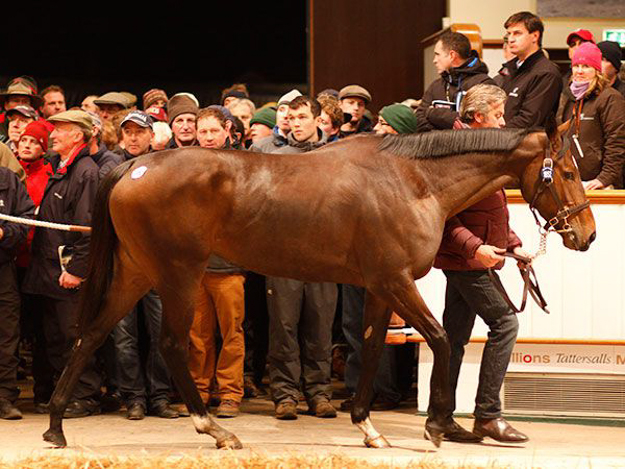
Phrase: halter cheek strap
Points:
(546, 182)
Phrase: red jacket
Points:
(485, 222)
(37, 174)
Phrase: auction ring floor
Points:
(551, 444)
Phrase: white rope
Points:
(45, 224)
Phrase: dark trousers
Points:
(60, 324)
(9, 331)
(393, 377)
(31, 324)
(300, 338)
(139, 383)
(255, 327)
(469, 294)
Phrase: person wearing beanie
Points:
(597, 116)
(396, 119)
(282, 128)
(573, 41)
(262, 124)
(33, 144)
(182, 112)
(154, 98)
(611, 64)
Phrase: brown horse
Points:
(366, 211)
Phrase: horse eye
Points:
(569, 175)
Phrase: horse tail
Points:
(101, 250)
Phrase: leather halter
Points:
(530, 284)
(546, 182)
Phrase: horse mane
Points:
(441, 143)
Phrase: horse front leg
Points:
(178, 310)
(375, 321)
(406, 300)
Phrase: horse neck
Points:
(461, 181)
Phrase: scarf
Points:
(579, 88)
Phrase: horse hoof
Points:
(230, 443)
(55, 438)
(377, 442)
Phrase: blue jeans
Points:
(139, 383)
(469, 294)
(385, 384)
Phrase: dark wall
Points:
(199, 47)
(372, 43)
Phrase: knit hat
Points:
(611, 51)
(225, 111)
(355, 91)
(582, 34)
(288, 97)
(266, 116)
(39, 132)
(400, 117)
(150, 97)
(587, 54)
(180, 104)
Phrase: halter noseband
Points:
(546, 182)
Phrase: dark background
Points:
(203, 47)
(199, 47)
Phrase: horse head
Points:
(552, 185)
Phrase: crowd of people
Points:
(246, 327)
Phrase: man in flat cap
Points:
(59, 258)
(110, 104)
(353, 100)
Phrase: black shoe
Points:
(249, 387)
(135, 411)
(498, 429)
(8, 411)
(454, 432)
(77, 409)
(165, 411)
(111, 402)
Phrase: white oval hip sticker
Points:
(139, 172)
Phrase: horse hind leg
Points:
(128, 285)
(375, 321)
(178, 298)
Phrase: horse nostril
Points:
(592, 237)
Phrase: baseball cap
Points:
(583, 34)
(140, 118)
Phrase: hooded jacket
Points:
(295, 146)
(600, 127)
(533, 91)
(451, 86)
(106, 160)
